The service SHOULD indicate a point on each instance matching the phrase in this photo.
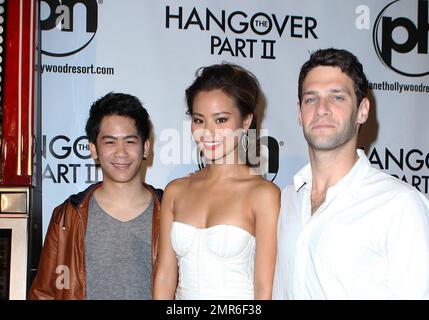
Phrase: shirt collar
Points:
(351, 182)
(303, 177)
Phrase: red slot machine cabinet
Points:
(20, 132)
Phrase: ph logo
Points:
(68, 26)
(269, 150)
(400, 37)
(267, 158)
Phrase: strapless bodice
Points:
(215, 262)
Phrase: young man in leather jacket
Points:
(102, 242)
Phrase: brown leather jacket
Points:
(61, 273)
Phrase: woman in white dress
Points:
(218, 225)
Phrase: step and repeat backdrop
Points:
(152, 49)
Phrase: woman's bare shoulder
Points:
(174, 187)
(183, 183)
(262, 188)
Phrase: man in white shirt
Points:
(346, 230)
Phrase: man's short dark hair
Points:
(120, 104)
(343, 59)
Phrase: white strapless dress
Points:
(214, 263)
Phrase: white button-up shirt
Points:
(368, 240)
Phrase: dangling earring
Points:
(200, 160)
(245, 141)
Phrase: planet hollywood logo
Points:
(70, 25)
(400, 37)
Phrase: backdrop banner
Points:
(153, 48)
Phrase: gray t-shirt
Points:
(118, 255)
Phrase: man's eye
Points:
(108, 142)
(338, 98)
(309, 100)
(131, 141)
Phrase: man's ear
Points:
(146, 148)
(363, 111)
(93, 151)
(299, 114)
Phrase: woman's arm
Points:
(166, 276)
(266, 210)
